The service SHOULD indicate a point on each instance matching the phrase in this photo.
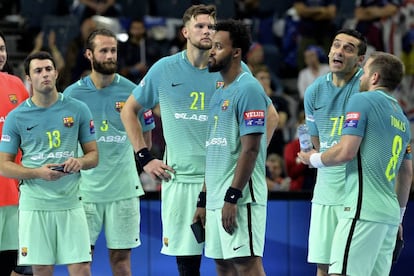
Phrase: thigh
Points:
(357, 245)
(95, 218)
(8, 227)
(178, 205)
(37, 238)
(72, 243)
(247, 239)
(323, 222)
(122, 222)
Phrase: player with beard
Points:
(235, 158)
(110, 192)
(181, 86)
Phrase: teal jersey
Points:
(45, 136)
(324, 105)
(237, 110)
(378, 118)
(183, 93)
(115, 177)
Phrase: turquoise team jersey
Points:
(378, 118)
(115, 177)
(45, 136)
(325, 115)
(237, 110)
(183, 93)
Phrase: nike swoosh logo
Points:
(30, 128)
(319, 107)
(332, 263)
(175, 84)
(238, 247)
(141, 155)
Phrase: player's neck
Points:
(100, 80)
(340, 79)
(45, 99)
(197, 57)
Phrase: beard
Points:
(105, 68)
(216, 66)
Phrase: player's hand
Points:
(228, 217)
(304, 156)
(200, 214)
(158, 170)
(45, 172)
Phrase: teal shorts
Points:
(248, 238)
(8, 226)
(53, 237)
(178, 205)
(368, 248)
(324, 219)
(119, 219)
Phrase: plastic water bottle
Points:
(304, 138)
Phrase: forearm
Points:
(272, 120)
(132, 124)
(12, 170)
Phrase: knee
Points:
(189, 265)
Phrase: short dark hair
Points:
(389, 67)
(104, 32)
(37, 55)
(362, 46)
(195, 10)
(239, 33)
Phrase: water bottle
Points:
(304, 138)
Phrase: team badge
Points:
(408, 150)
(352, 119)
(219, 84)
(23, 251)
(225, 105)
(119, 106)
(254, 118)
(13, 98)
(68, 121)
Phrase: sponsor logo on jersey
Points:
(5, 138)
(119, 106)
(219, 84)
(195, 117)
(148, 117)
(220, 141)
(254, 117)
(91, 127)
(225, 105)
(352, 119)
(13, 98)
(68, 121)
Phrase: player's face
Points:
(365, 79)
(198, 31)
(343, 55)
(104, 56)
(43, 75)
(221, 53)
(3, 53)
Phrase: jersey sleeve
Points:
(146, 92)
(251, 110)
(356, 115)
(87, 127)
(10, 138)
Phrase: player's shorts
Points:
(324, 219)
(119, 219)
(8, 226)
(362, 249)
(247, 239)
(178, 205)
(53, 237)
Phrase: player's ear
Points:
(236, 52)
